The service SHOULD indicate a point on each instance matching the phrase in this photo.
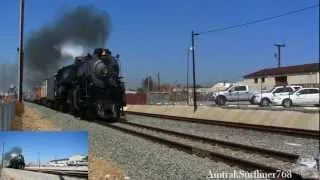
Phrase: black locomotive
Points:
(91, 87)
(17, 162)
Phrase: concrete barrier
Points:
(289, 119)
(7, 115)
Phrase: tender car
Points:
(264, 99)
(304, 96)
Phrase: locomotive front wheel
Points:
(115, 112)
(72, 110)
(62, 108)
(122, 112)
(82, 114)
(87, 114)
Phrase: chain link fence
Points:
(7, 115)
(229, 95)
(178, 98)
(7, 110)
(204, 98)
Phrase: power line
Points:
(259, 20)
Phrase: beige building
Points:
(306, 75)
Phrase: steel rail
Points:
(268, 152)
(273, 129)
(234, 161)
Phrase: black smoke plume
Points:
(85, 27)
(12, 151)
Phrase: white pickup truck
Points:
(233, 93)
(265, 98)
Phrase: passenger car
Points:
(304, 96)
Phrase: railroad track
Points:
(280, 130)
(272, 161)
(273, 129)
(246, 157)
(70, 173)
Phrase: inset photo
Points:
(44, 155)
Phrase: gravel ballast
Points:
(257, 157)
(139, 158)
(301, 146)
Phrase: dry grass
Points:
(32, 120)
(19, 108)
(103, 170)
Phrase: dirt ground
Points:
(283, 118)
(32, 120)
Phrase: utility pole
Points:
(159, 81)
(2, 155)
(21, 50)
(279, 46)
(188, 75)
(148, 83)
(194, 73)
(39, 159)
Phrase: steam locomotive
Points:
(91, 87)
(17, 162)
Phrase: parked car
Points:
(233, 93)
(304, 96)
(264, 99)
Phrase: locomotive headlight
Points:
(101, 69)
(105, 71)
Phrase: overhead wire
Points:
(258, 21)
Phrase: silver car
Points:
(264, 99)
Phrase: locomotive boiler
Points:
(90, 87)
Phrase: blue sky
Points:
(153, 36)
(49, 144)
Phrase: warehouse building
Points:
(58, 162)
(78, 160)
(306, 75)
(71, 161)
